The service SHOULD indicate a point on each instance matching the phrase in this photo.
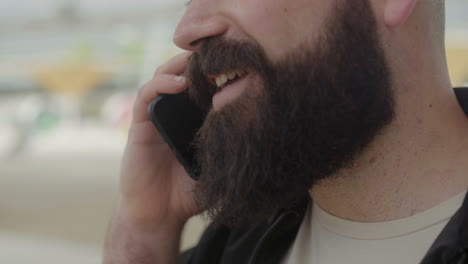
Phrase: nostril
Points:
(197, 42)
(194, 43)
(194, 28)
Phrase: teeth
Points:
(222, 79)
(232, 75)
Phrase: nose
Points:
(201, 20)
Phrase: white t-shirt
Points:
(326, 239)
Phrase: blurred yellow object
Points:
(458, 64)
(457, 56)
(69, 79)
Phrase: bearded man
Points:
(333, 136)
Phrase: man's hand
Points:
(156, 192)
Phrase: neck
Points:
(417, 162)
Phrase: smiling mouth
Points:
(225, 79)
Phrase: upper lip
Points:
(220, 80)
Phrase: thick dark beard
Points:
(317, 110)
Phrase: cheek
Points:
(280, 25)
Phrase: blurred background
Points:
(69, 70)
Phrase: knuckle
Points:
(158, 71)
(143, 91)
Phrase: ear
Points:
(398, 11)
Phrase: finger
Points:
(175, 66)
(161, 84)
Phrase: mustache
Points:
(219, 55)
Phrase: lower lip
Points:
(230, 92)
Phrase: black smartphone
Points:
(178, 120)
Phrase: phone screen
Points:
(178, 120)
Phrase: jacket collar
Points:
(452, 243)
(462, 96)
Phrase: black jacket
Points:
(269, 241)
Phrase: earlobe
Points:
(398, 11)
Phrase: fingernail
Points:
(180, 78)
